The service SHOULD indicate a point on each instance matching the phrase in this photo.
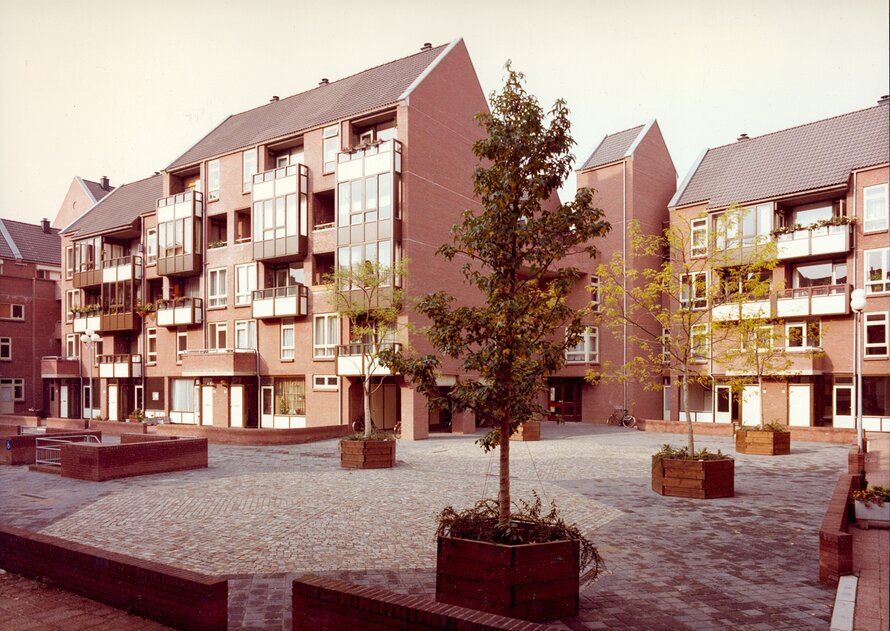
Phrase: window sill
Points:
(875, 358)
(866, 233)
(323, 359)
(288, 360)
(217, 308)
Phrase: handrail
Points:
(281, 292)
(278, 172)
(50, 455)
(119, 359)
(324, 226)
(818, 290)
(358, 348)
(217, 351)
(182, 301)
(187, 196)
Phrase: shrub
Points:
(667, 452)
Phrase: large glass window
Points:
(290, 396)
(876, 396)
(331, 147)
(213, 180)
(176, 237)
(694, 291)
(72, 345)
(327, 336)
(820, 274)
(747, 226)
(182, 395)
(245, 283)
(217, 338)
(151, 245)
(802, 335)
(700, 343)
(699, 237)
(245, 334)
(807, 215)
(248, 169)
(216, 289)
(875, 200)
(151, 345)
(877, 339)
(587, 350)
(877, 271)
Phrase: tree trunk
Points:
(504, 473)
(689, 436)
(366, 392)
(760, 398)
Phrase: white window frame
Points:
(217, 287)
(6, 349)
(689, 298)
(69, 261)
(698, 226)
(151, 246)
(72, 299)
(806, 338)
(218, 335)
(325, 348)
(181, 348)
(762, 333)
(665, 350)
(287, 347)
(151, 340)
(18, 388)
(246, 328)
(595, 297)
(695, 331)
(248, 169)
(325, 382)
(882, 284)
(587, 351)
(72, 345)
(212, 180)
(875, 197)
(331, 145)
(879, 319)
(13, 307)
(245, 274)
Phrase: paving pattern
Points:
(263, 515)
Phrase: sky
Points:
(99, 87)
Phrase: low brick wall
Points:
(856, 459)
(173, 596)
(68, 423)
(332, 605)
(116, 428)
(107, 462)
(835, 543)
(803, 434)
(127, 439)
(257, 437)
(19, 449)
(16, 420)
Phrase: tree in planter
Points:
(511, 252)
(669, 309)
(368, 297)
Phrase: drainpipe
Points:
(624, 280)
(857, 322)
(35, 362)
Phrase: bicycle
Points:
(622, 417)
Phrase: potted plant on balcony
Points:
(512, 251)
(369, 297)
(872, 506)
(144, 309)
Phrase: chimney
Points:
(323, 82)
(44, 223)
(884, 99)
(274, 99)
(426, 46)
(742, 137)
(104, 182)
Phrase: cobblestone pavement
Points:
(263, 515)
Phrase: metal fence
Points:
(49, 450)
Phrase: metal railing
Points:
(48, 451)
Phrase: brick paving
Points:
(263, 515)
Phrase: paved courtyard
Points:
(263, 515)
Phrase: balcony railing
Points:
(113, 270)
(350, 357)
(118, 319)
(281, 302)
(84, 322)
(54, 367)
(222, 362)
(179, 248)
(120, 366)
(183, 311)
(813, 301)
(817, 242)
(730, 309)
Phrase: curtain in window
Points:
(290, 396)
(183, 395)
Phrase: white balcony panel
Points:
(183, 209)
(264, 308)
(830, 243)
(792, 307)
(184, 315)
(166, 213)
(121, 371)
(351, 170)
(166, 317)
(106, 371)
(90, 323)
(263, 190)
(351, 366)
(793, 248)
(381, 163)
(723, 313)
(285, 185)
(286, 306)
(829, 305)
(759, 309)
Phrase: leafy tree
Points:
(678, 311)
(368, 298)
(511, 251)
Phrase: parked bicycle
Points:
(622, 417)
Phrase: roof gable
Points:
(613, 147)
(121, 207)
(30, 242)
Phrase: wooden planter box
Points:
(367, 454)
(530, 430)
(872, 515)
(535, 581)
(763, 443)
(702, 479)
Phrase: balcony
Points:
(118, 319)
(184, 311)
(114, 270)
(324, 238)
(179, 220)
(53, 367)
(349, 360)
(751, 309)
(281, 302)
(219, 362)
(281, 214)
(119, 366)
(820, 241)
(84, 322)
(807, 361)
(813, 301)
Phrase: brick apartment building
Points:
(29, 311)
(820, 189)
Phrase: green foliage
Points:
(874, 494)
(764, 427)
(137, 415)
(668, 452)
(376, 434)
(527, 525)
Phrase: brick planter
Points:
(763, 443)
(367, 454)
(536, 581)
(702, 479)
(530, 430)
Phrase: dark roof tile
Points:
(121, 207)
(34, 245)
(96, 189)
(613, 147)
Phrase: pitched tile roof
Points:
(613, 147)
(121, 207)
(362, 92)
(792, 160)
(32, 243)
(96, 190)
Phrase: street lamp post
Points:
(857, 304)
(90, 338)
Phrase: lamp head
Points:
(857, 299)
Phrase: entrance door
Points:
(751, 405)
(843, 407)
(236, 404)
(206, 405)
(7, 399)
(266, 418)
(63, 401)
(565, 399)
(113, 413)
(723, 405)
(139, 403)
(800, 405)
(384, 405)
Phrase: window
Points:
(213, 180)
(178, 236)
(287, 340)
(72, 301)
(242, 226)
(18, 388)
(364, 200)
(69, 261)
(595, 293)
(802, 335)
(699, 237)
(325, 382)
(877, 272)
(327, 336)
(285, 276)
(245, 334)
(737, 283)
(248, 170)
(218, 335)
(665, 346)
(290, 396)
(72, 345)
(217, 231)
(760, 338)
(812, 213)
(820, 274)
(331, 147)
(44, 273)
(876, 396)
(182, 395)
(876, 335)
(694, 290)
(245, 283)
(587, 350)
(151, 246)
(6, 349)
(182, 345)
(353, 256)
(875, 200)
(151, 345)
(10, 311)
(699, 342)
(216, 290)
(747, 226)
(277, 218)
